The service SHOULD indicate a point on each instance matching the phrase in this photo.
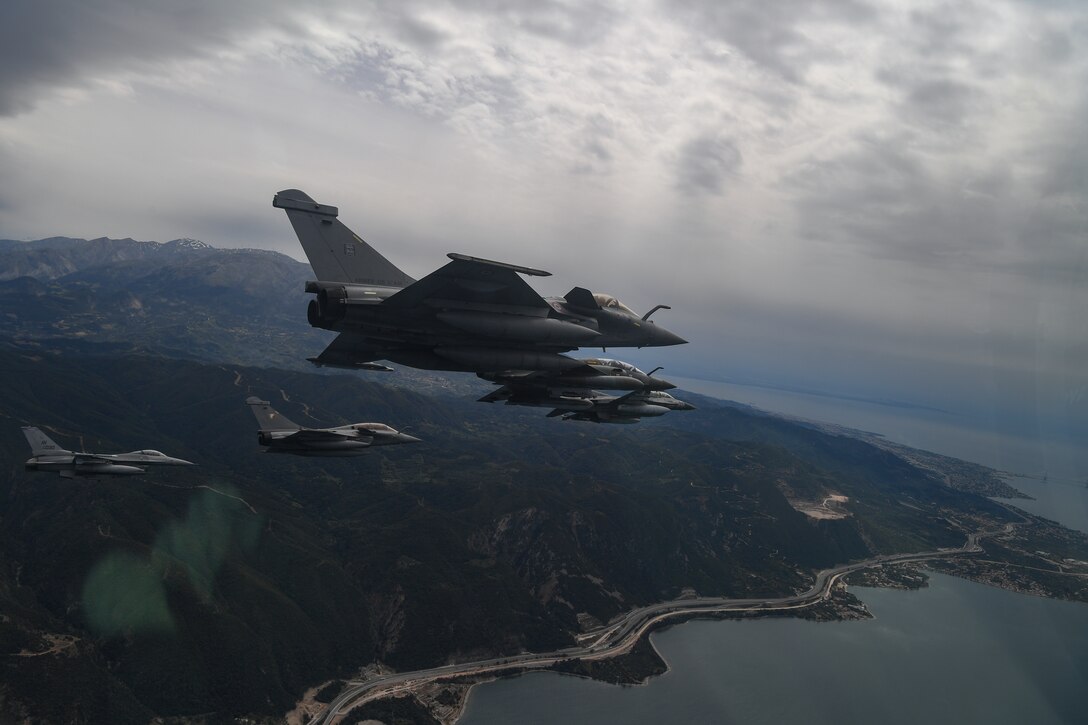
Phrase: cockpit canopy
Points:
(150, 452)
(374, 427)
(608, 362)
(609, 302)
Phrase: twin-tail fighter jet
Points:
(279, 435)
(472, 315)
(46, 455)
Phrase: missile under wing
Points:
(46, 455)
(472, 315)
(630, 408)
(573, 395)
(592, 373)
(277, 434)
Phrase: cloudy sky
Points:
(867, 198)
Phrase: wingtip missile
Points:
(372, 366)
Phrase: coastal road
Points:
(621, 635)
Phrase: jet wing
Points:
(86, 459)
(319, 436)
(471, 283)
(503, 393)
(349, 349)
(320, 439)
(528, 394)
(635, 396)
(545, 378)
(549, 377)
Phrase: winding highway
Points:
(620, 636)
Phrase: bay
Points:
(1057, 499)
(944, 432)
(954, 652)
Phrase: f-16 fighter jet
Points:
(46, 455)
(629, 408)
(471, 315)
(279, 435)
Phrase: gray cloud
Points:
(418, 31)
(770, 34)
(1065, 172)
(571, 22)
(880, 197)
(384, 73)
(940, 66)
(941, 100)
(942, 30)
(705, 162)
(50, 43)
(596, 139)
(931, 95)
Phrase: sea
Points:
(1034, 452)
(953, 652)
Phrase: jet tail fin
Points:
(581, 297)
(40, 443)
(335, 252)
(267, 416)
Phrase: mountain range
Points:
(181, 299)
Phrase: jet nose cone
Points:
(180, 462)
(405, 438)
(659, 384)
(661, 337)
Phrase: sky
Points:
(877, 199)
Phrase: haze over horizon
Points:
(874, 199)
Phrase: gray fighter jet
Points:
(572, 389)
(46, 455)
(471, 315)
(599, 373)
(279, 435)
(572, 392)
(630, 408)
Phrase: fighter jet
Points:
(572, 389)
(46, 455)
(279, 435)
(472, 315)
(572, 395)
(599, 373)
(630, 408)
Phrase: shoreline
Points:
(619, 637)
(610, 647)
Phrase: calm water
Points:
(931, 430)
(1061, 500)
(957, 652)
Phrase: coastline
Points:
(619, 637)
(1015, 547)
(635, 666)
(440, 695)
(442, 692)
